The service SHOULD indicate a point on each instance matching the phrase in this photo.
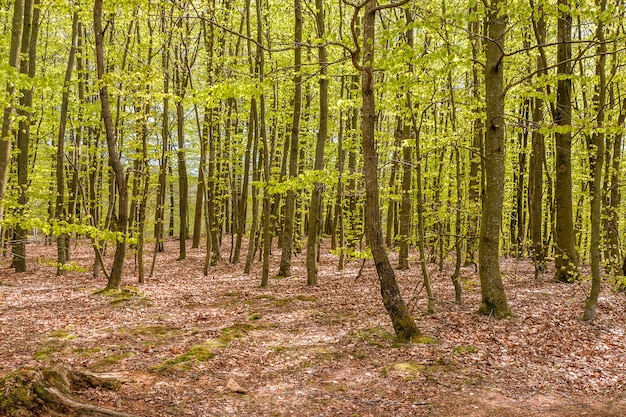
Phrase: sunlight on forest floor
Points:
(187, 345)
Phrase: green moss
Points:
(197, 353)
(112, 360)
(124, 295)
(159, 331)
(306, 298)
(424, 340)
(17, 395)
(86, 352)
(375, 336)
(464, 349)
(236, 331)
(44, 353)
(283, 301)
(254, 316)
(62, 334)
(409, 367)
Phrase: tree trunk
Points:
(290, 201)
(7, 119)
(60, 211)
(403, 324)
(596, 186)
(315, 211)
(27, 67)
(115, 277)
(565, 257)
(475, 186)
(493, 296)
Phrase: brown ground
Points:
(324, 351)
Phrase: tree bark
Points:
(7, 118)
(315, 211)
(493, 296)
(27, 67)
(60, 211)
(565, 257)
(115, 278)
(403, 324)
(290, 201)
(596, 186)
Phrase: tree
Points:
(493, 296)
(7, 117)
(598, 138)
(403, 324)
(290, 201)
(27, 67)
(115, 278)
(60, 209)
(315, 211)
(565, 257)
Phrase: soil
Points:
(184, 344)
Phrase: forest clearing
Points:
(177, 343)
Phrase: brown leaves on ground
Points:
(188, 345)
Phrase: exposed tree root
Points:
(28, 392)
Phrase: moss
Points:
(424, 340)
(464, 349)
(197, 353)
(43, 354)
(306, 298)
(283, 301)
(124, 295)
(17, 396)
(112, 360)
(62, 334)
(375, 336)
(236, 331)
(254, 316)
(158, 331)
(409, 367)
(86, 352)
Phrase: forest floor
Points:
(188, 345)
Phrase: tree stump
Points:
(27, 392)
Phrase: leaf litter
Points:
(188, 345)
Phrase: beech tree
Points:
(399, 121)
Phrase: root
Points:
(27, 392)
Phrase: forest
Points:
(320, 207)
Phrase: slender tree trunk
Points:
(27, 67)
(403, 324)
(475, 185)
(159, 215)
(7, 119)
(115, 277)
(290, 201)
(535, 169)
(183, 188)
(598, 166)
(60, 212)
(322, 132)
(493, 296)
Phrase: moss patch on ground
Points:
(125, 295)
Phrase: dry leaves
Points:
(189, 345)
